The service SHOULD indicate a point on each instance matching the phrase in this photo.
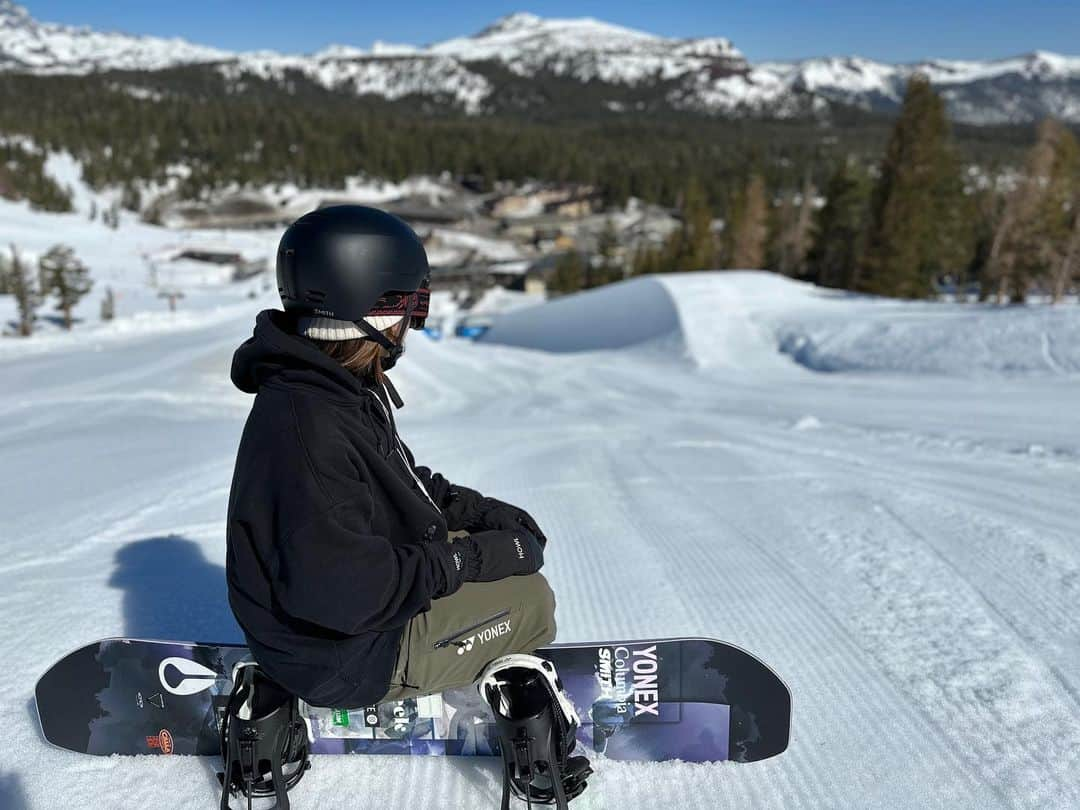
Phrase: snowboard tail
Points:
(694, 699)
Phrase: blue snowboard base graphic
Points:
(692, 699)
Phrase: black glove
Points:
(462, 508)
(494, 555)
(496, 514)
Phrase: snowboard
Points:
(692, 699)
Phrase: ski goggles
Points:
(413, 306)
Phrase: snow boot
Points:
(264, 740)
(536, 725)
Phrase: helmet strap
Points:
(377, 336)
(393, 352)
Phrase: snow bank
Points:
(937, 339)
(714, 320)
(757, 321)
(631, 313)
(725, 316)
(752, 319)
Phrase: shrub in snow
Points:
(24, 286)
(108, 305)
(111, 216)
(63, 274)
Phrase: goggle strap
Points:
(413, 304)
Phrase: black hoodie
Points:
(336, 539)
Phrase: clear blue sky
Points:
(763, 29)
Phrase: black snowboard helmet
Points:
(346, 262)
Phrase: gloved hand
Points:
(496, 514)
(462, 508)
(494, 555)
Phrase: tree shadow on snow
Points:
(11, 792)
(58, 320)
(171, 591)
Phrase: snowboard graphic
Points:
(693, 699)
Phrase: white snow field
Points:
(885, 511)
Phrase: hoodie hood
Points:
(276, 353)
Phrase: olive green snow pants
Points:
(449, 645)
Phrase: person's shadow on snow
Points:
(171, 591)
(11, 792)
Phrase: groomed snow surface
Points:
(879, 499)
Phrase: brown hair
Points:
(361, 356)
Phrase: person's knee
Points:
(540, 602)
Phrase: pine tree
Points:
(795, 230)
(697, 243)
(569, 275)
(839, 228)
(131, 198)
(985, 205)
(647, 260)
(1057, 219)
(920, 218)
(6, 287)
(692, 246)
(63, 274)
(750, 226)
(1068, 267)
(610, 269)
(1034, 231)
(24, 286)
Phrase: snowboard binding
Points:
(264, 740)
(536, 724)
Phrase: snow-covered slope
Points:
(707, 74)
(900, 547)
(124, 261)
(762, 322)
(393, 76)
(980, 92)
(587, 49)
(26, 44)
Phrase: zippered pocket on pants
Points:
(406, 642)
(453, 639)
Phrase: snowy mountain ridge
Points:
(27, 45)
(999, 91)
(707, 74)
(588, 49)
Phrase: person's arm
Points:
(461, 506)
(335, 573)
(468, 510)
